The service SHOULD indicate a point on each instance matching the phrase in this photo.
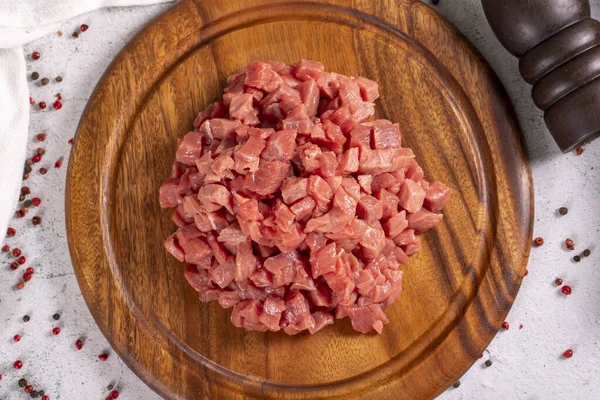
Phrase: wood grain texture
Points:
(455, 116)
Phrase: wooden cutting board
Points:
(456, 117)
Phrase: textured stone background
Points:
(526, 362)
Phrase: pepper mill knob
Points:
(557, 44)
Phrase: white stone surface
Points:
(526, 362)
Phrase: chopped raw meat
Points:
(411, 196)
(293, 207)
(436, 197)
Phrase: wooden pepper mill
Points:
(557, 45)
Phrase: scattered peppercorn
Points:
(56, 331)
(11, 232)
(27, 203)
(114, 394)
(526, 272)
(29, 161)
(521, 326)
(103, 357)
(563, 210)
(56, 317)
(40, 137)
(58, 96)
(20, 213)
(14, 265)
(435, 2)
(17, 338)
(41, 151)
(538, 241)
(22, 382)
(45, 398)
(70, 141)
(28, 389)
(22, 260)
(33, 394)
(58, 163)
(488, 363)
(586, 253)
(566, 290)
(79, 345)
(43, 171)
(20, 285)
(456, 385)
(41, 392)
(84, 28)
(26, 277)
(58, 78)
(35, 55)
(505, 326)
(22, 197)
(36, 159)
(75, 34)
(35, 76)
(5, 248)
(29, 270)
(577, 258)
(26, 318)
(36, 201)
(558, 281)
(16, 252)
(110, 387)
(42, 104)
(579, 151)
(45, 81)
(569, 244)
(31, 101)
(25, 190)
(568, 353)
(57, 105)
(36, 220)
(18, 364)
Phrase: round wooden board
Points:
(457, 119)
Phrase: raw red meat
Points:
(292, 207)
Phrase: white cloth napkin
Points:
(21, 22)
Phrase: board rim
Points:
(71, 218)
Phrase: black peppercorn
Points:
(34, 394)
(41, 393)
(456, 384)
(36, 220)
(28, 169)
(45, 81)
(59, 78)
(35, 76)
(563, 210)
(586, 253)
(488, 363)
(109, 387)
(56, 316)
(26, 318)
(576, 258)
(22, 382)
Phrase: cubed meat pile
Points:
(294, 208)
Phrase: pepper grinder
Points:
(556, 42)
